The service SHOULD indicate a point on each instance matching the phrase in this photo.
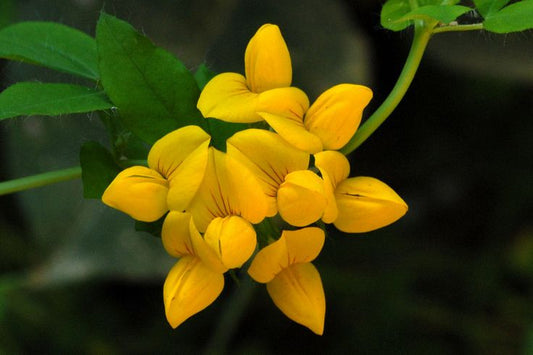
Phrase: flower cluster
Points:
(290, 175)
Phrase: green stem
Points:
(30, 182)
(458, 28)
(420, 41)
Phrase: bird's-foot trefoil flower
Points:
(197, 279)
(266, 87)
(296, 193)
(176, 166)
(359, 204)
(328, 124)
(292, 282)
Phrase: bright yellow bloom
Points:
(329, 123)
(228, 189)
(295, 192)
(176, 166)
(266, 87)
(292, 281)
(197, 278)
(359, 204)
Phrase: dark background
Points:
(454, 276)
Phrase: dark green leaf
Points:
(52, 45)
(98, 169)
(513, 18)
(202, 75)
(153, 90)
(220, 131)
(24, 99)
(489, 7)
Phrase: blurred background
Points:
(454, 276)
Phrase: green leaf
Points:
(489, 7)
(52, 45)
(397, 15)
(392, 11)
(24, 99)
(153, 90)
(513, 18)
(442, 13)
(98, 169)
(220, 131)
(202, 75)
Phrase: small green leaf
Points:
(153, 90)
(202, 75)
(513, 18)
(98, 169)
(489, 7)
(52, 45)
(442, 13)
(392, 11)
(24, 99)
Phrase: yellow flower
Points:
(359, 204)
(176, 166)
(234, 98)
(197, 279)
(329, 123)
(293, 283)
(228, 189)
(295, 192)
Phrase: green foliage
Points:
(513, 18)
(98, 169)
(397, 15)
(153, 90)
(52, 45)
(24, 99)
(489, 7)
(202, 75)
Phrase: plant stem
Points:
(458, 28)
(30, 182)
(420, 41)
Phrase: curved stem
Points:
(30, 182)
(420, 41)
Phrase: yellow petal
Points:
(301, 198)
(175, 234)
(189, 288)
(304, 245)
(140, 192)
(336, 114)
(269, 261)
(187, 178)
(288, 102)
(228, 189)
(227, 98)
(298, 246)
(297, 291)
(268, 157)
(169, 152)
(366, 204)
(267, 61)
(334, 168)
(294, 132)
(233, 239)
